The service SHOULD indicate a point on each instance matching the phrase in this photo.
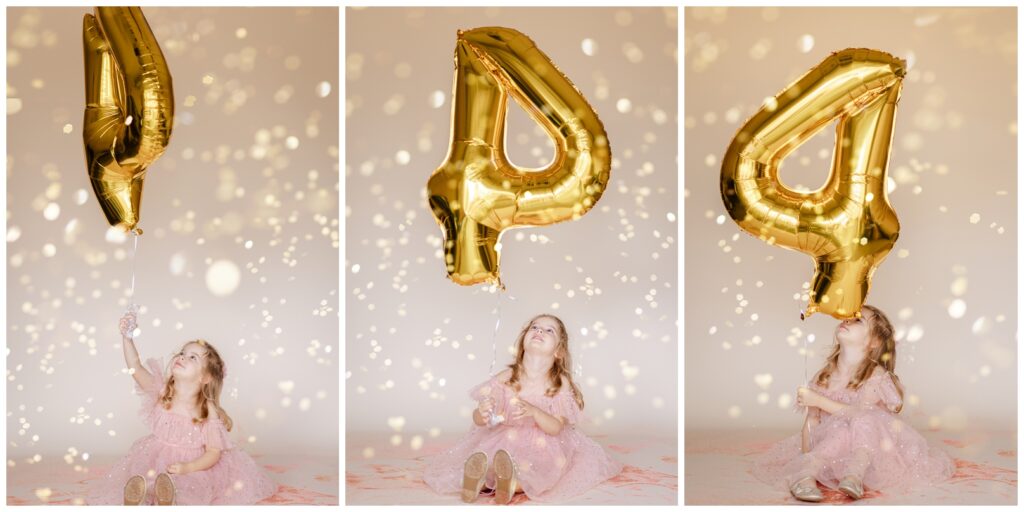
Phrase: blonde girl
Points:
(525, 436)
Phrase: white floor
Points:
(393, 475)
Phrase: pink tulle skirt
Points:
(236, 479)
(869, 442)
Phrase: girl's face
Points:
(855, 333)
(542, 337)
(188, 364)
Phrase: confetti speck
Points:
(805, 43)
(589, 47)
(957, 308)
(624, 105)
(222, 278)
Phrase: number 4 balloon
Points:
(847, 226)
(477, 193)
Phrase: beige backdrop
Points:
(949, 285)
(415, 341)
(243, 203)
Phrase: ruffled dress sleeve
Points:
(564, 406)
(880, 389)
(491, 388)
(150, 393)
(215, 435)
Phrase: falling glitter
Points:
(805, 43)
(437, 99)
(589, 47)
(222, 278)
(957, 308)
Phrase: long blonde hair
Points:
(882, 353)
(209, 393)
(560, 369)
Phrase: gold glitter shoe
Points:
(473, 473)
(135, 490)
(804, 492)
(164, 489)
(505, 473)
(852, 487)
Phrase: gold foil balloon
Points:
(476, 193)
(129, 108)
(847, 226)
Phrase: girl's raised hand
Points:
(807, 397)
(128, 324)
(486, 408)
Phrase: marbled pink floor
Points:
(302, 480)
(718, 471)
(393, 475)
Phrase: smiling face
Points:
(855, 333)
(188, 364)
(543, 337)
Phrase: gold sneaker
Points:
(505, 473)
(852, 487)
(164, 489)
(806, 490)
(473, 473)
(135, 490)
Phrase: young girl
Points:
(852, 438)
(524, 436)
(188, 459)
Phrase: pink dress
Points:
(550, 468)
(864, 439)
(234, 480)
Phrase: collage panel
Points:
(511, 293)
(509, 296)
(879, 366)
(177, 346)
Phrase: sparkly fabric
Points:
(234, 480)
(864, 439)
(550, 468)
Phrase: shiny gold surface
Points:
(477, 193)
(848, 225)
(129, 108)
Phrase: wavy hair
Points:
(209, 392)
(560, 369)
(881, 351)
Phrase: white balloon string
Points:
(805, 360)
(135, 249)
(807, 410)
(502, 291)
(494, 335)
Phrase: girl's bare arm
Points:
(551, 425)
(811, 419)
(131, 358)
(828, 405)
(205, 461)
